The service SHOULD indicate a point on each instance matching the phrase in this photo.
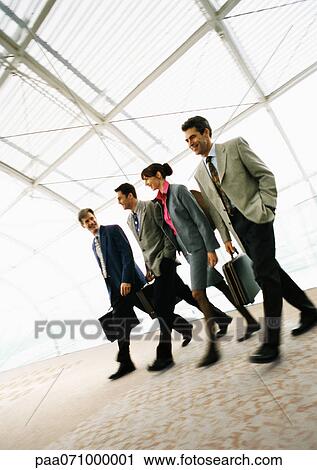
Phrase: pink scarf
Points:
(162, 196)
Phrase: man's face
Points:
(125, 201)
(90, 222)
(199, 143)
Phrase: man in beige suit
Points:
(241, 195)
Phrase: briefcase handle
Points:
(234, 251)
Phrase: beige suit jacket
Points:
(246, 180)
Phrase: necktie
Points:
(216, 181)
(136, 222)
(100, 256)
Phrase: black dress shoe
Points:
(249, 331)
(211, 357)
(160, 364)
(187, 337)
(305, 325)
(265, 353)
(124, 369)
(223, 326)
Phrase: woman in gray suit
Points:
(187, 226)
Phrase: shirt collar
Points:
(212, 152)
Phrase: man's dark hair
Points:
(83, 213)
(199, 122)
(126, 189)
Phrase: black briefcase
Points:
(109, 326)
(145, 300)
(115, 325)
(240, 279)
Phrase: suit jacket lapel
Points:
(143, 215)
(103, 243)
(131, 224)
(204, 176)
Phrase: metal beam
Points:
(36, 159)
(37, 24)
(216, 24)
(292, 82)
(237, 52)
(231, 43)
(244, 114)
(71, 150)
(49, 78)
(195, 37)
(191, 41)
(129, 143)
(37, 68)
(64, 156)
(30, 183)
(263, 104)
(241, 116)
(23, 25)
(214, 18)
(226, 8)
(100, 93)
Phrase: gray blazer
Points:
(246, 180)
(153, 242)
(191, 224)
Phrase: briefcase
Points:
(115, 325)
(145, 300)
(109, 326)
(240, 279)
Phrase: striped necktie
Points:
(215, 178)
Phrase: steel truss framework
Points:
(214, 22)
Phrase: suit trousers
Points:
(164, 303)
(259, 243)
(127, 319)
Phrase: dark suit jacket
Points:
(120, 264)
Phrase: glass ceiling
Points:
(93, 91)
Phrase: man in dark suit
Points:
(241, 193)
(122, 277)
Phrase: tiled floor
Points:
(67, 402)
